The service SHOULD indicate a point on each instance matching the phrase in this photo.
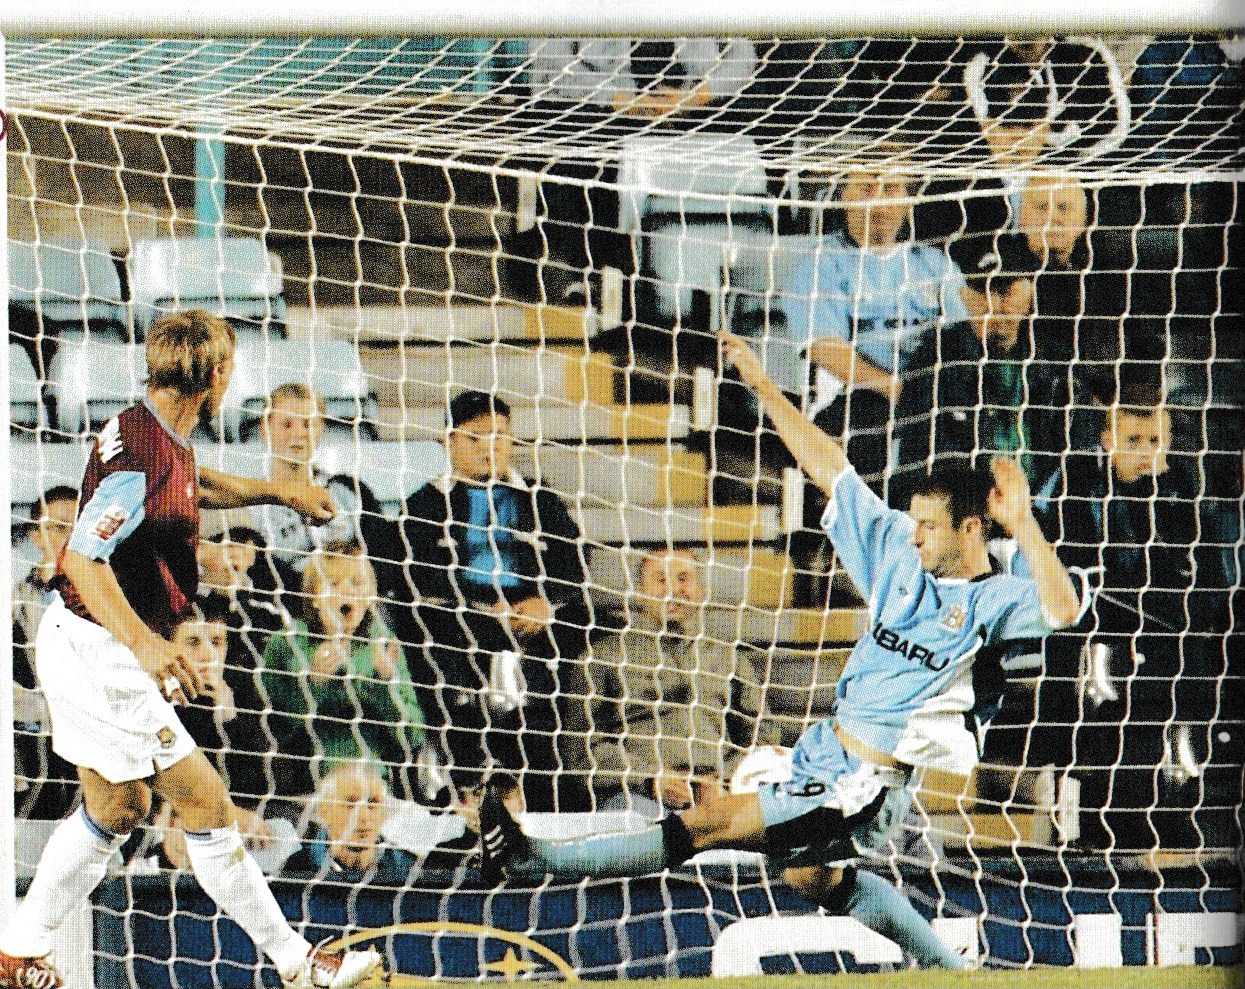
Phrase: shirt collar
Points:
(177, 437)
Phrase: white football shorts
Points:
(108, 714)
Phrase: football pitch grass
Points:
(1133, 977)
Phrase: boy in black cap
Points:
(493, 578)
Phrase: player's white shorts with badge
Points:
(108, 714)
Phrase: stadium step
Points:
(633, 524)
(805, 626)
(443, 323)
(991, 832)
(661, 475)
(419, 375)
(551, 419)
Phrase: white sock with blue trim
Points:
(73, 864)
(233, 879)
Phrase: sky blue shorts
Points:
(849, 807)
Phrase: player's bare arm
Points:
(1010, 506)
(847, 364)
(97, 584)
(819, 455)
(219, 490)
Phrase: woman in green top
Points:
(336, 683)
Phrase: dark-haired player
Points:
(111, 676)
(935, 603)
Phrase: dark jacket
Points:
(537, 549)
(1146, 537)
(960, 400)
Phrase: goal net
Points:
(943, 247)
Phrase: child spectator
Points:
(293, 426)
(337, 681)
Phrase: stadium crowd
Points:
(374, 658)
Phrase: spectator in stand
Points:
(493, 572)
(344, 842)
(973, 389)
(1186, 97)
(293, 426)
(615, 86)
(1078, 302)
(1077, 308)
(670, 709)
(1131, 508)
(1084, 105)
(228, 736)
(231, 735)
(860, 306)
(336, 681)
(45, 785)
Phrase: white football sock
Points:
(233, 879)
(73, 864)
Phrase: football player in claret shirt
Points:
(111, 675)
(937, 610)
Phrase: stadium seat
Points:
(89, 383)
(332, 368)
(757, 279)
(679, 194)
(68, 288)
(235, 277)
(35, 467)
(393, 470)
(26, 411)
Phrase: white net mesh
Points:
(1039, 242)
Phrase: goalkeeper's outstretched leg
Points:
(801, 824)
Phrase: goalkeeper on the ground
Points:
(937, 610)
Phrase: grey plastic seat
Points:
(25, 402)
(394, 470)
(68, 287)
(760, 280)
(234, 277)
(36, 467)
(90, 382)
(331, 368)
(690, 198)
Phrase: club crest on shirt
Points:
(952, 617)
(110, 522)
(167, 737)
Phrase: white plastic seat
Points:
(234, 277)
(331, 368)
(690, 198)
(69, 287)
(25, 402)
(90, 382)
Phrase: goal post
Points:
(563, 226)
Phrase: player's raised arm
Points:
(819, 455)
(1010, 506)
(219, 490)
